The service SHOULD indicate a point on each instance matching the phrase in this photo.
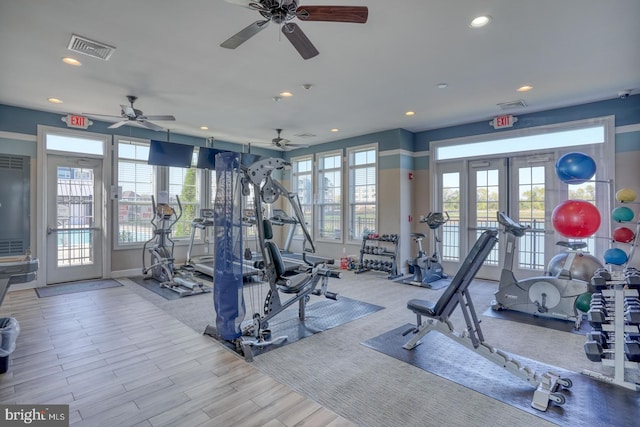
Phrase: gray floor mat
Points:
(73, 287)
(588, 403)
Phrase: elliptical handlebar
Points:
(511, 226)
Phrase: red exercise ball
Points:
(575, 219)
(623, 235)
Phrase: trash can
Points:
(9, 330)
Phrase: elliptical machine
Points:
(427, 269)
(543, 296)
(161, 252)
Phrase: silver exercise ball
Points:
(582, 268)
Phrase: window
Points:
(302, 184)
(185, 183)
(451, 205)
(329, 196)
(526, 187)
(531, 212)
(136, 178)
(139, 181)
(542, 141)
(362, 192)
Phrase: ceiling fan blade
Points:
(246, 3)
(128, 110)
(244, 34)
(298, 145)
(354, 14)
(118, 124)
(161, 118)
(150, 125)
(100, 115)
(299, 40)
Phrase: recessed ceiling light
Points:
(410, 113)
(54, 100)
(441, 85)
(525, 88)
(204, 127)
(286, 94)
(71, 61)
(335, 130)
(480, 21)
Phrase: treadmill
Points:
(204, 263)
(281, 218)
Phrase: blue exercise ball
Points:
(615, 256)
(575, 168)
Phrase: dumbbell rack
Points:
(614, 290)
(380, 252)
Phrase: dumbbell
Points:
(632, 347)
(632, 315)
(594, 350)
(602, 337)
(597, 315)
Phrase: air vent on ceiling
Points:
(510, 105)
(90, 47)
(305, 135)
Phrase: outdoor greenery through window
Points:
(330, 196)
(185, 183)
(362, 192)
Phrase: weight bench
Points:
(457, 295)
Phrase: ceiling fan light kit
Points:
(282, 12)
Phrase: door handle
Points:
(55, 230)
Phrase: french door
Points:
(521, 186)
(74, 234)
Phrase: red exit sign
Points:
(78, 122)
(503, 122)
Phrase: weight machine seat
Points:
(574, 246)
(288, 284)
(461, 281)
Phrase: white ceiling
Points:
(364, 79)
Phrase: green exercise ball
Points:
(583, 302)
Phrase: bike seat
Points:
(574, 246)
(418, 235)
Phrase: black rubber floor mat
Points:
(154, 286)
(320, 316)
(588, 403)
(74, 287)
(530, 319)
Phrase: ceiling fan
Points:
(284, 144)
(283, 11)
(131, 114)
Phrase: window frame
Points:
(160, 182)
(351, 185)
(295, 162)
(319, 204)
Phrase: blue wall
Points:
(626, 111)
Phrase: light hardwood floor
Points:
(118, 360)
